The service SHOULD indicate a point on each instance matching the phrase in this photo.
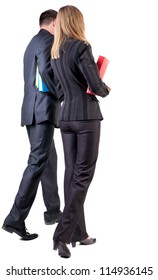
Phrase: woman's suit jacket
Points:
(41, 106)
(75, 70)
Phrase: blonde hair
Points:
(69, 24)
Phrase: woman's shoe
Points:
(63, 250)
(88, 241)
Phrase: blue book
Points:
(41, 86)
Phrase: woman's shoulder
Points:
(80, 45)
(76, 47)
(76, 42)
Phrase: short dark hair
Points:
(47, 16)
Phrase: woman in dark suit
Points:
(75, 69)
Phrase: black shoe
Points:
(87, 241)
(23, 233)
(63, 250)
(54, 220)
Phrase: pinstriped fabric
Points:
(76, 70)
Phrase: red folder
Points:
(102, 64)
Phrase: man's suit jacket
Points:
(76, 69)
(39, 106)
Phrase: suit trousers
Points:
(42, 166)
(80, 142)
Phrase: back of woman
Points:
(75, 70)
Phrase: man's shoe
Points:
(23, 233)
(54, 220)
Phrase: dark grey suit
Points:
(80, 127)
(40, 115)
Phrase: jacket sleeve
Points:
(46, 72)
(90, 71)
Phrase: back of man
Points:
(36, 104)
(40, 116)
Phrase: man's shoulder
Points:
(42, 35)
(41, 39)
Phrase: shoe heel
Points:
(73, 244)
(55, 244)
(8, 229)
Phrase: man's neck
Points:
(48, 28)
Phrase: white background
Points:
(121, 206)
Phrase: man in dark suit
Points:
(40, 111)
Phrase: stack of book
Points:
(41, 86)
